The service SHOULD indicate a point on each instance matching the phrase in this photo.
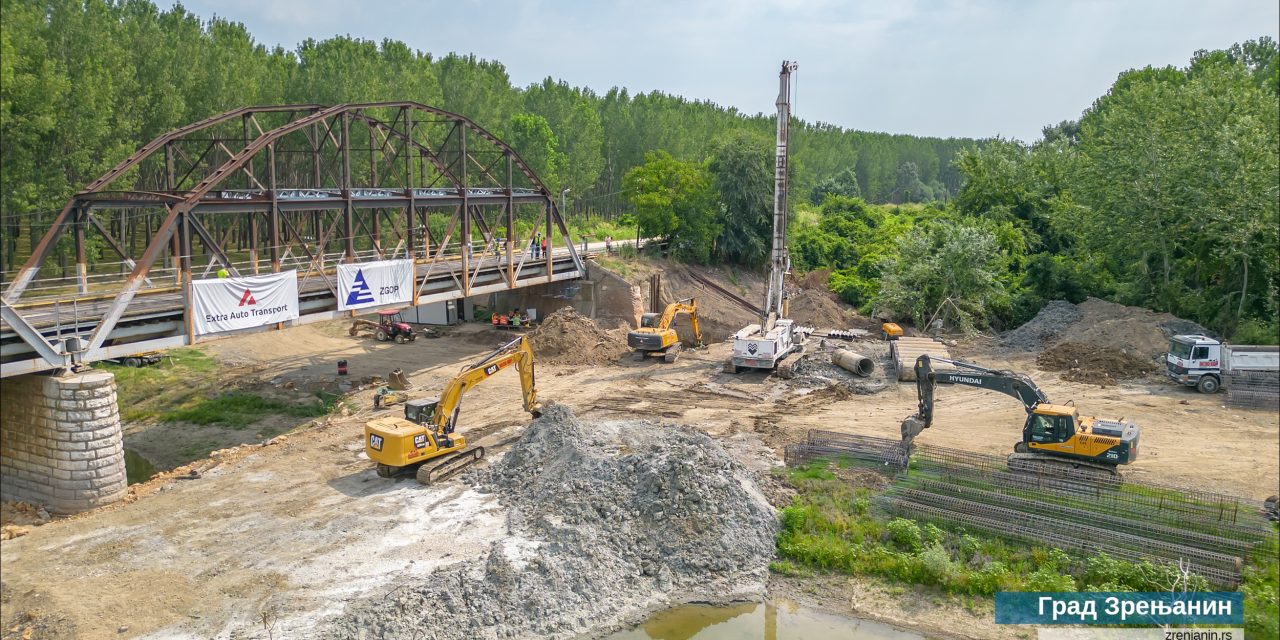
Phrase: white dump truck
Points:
(1201, 362)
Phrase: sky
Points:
(963, 68)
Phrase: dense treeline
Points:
(1165, 194)
(85, 82)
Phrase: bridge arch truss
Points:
(272, 188)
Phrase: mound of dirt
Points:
(609, 522)
(1137, 331)
(1043, 329)
(818, 308)
(817, 279)
(1094, 364)
(569, 338)
(1134, 329)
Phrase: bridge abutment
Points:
(61, 444)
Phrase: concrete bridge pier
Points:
(61, 444)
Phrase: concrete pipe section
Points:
(856, 363)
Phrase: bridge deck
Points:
(155, 318)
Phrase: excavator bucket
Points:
(911, 427)
(398, 381)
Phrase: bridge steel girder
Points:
(404, 151)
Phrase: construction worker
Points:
(223, 273)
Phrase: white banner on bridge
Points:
(373, 284)
(227, 304)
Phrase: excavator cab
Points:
(1047, 425)
(419, 411)
(650, 320)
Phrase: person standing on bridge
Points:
(544, 248)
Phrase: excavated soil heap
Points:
(1106, 325)
(818, 309)
(569, 338)
(1139, 331)
(1094, 364)
(609, 522)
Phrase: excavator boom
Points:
(1053, 435)
(1009, 383)
(517, 352)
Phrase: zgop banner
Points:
(227, 304)
(373, 284)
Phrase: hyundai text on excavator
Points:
(1055, 437)
(655, 335)
(427, 430)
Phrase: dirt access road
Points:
(268, 543)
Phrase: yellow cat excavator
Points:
(655, 336)
(426, 433)
(1055, 437)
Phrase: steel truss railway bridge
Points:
(274, 188)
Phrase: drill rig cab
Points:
(1055, 437)
(656, 336)
(427, 430)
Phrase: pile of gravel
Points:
(608, 522)
(1043, 329)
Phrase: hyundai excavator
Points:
(1055, 437)
(655, 336)
(426, 433)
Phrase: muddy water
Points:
(782, 620)
(137, 468)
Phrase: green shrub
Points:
(1256, 332)
(993, 577)
(905, 534)
(932, 534)
(1048, 580)
(937, 566)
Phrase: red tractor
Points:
(390, 326)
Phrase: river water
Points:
(783, 620)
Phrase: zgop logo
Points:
(360, 291)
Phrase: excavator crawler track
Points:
(1042, 464)
(429, 474)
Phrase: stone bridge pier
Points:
(61, 444)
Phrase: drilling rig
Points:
(766, 344)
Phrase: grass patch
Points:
(238, 409)
(830, 526)
(145, 393)
(618, 264)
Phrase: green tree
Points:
(674, 200)
(844, 183)
(951, 268)
(531, 137)
(1192, 226)
(742, 168)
